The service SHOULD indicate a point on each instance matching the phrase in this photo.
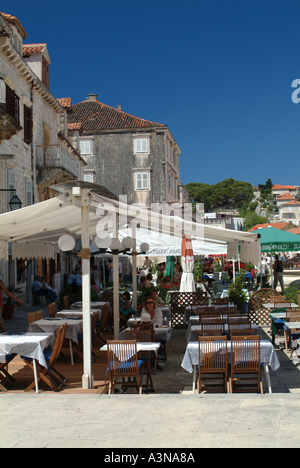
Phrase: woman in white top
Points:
(152, 313)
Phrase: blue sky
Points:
(219, 73)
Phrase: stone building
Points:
(129, 155)
(35, 151)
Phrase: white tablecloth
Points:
(94, 305)
(141, 347)
(50, 325)
(267, 355)
(66, 313)
(30, 345)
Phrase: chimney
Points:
(92, 97)
(120, 107)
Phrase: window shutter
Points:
(27, 124)
(85, 147)
(28, 191)
(141, 145)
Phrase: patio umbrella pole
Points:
(87, 378)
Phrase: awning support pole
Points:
(85, 254)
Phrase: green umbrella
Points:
(276, 240)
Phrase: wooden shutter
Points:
(28, 191)
(11, 184)
(27, 124)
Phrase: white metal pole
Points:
(116, 283)
(87, 378)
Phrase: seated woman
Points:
(126, 307)
(152, 313)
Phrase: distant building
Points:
(224, 221)
(129, 155)
(290, 211)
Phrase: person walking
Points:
(278, 273)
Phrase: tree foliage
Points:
(227, 194)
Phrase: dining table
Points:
(94, 305)
(191, 334)
(29, 344)
(268, 357)
(67, 313)
(52, 324)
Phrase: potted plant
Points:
(198, 271)
(9, 304)
(236, 294)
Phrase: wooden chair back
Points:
(220, 301)
(245, 364)
(239, 325)
(206, 310)
(283, 303)
(214, 323)
(144, 327)
(67, 304)
(34, 316)
(294, 315)
(140, 335)
(215, 332)
(243, 332)
(52, 309)
(123, 362)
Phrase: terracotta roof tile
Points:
(29, 49)
(9, 19)
(96, 116)
(274, 225)
(283, 187)
(285, 196)
(295, 231)
(292, 202)
(65, 102)
(74, 126)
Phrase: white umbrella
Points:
(187, 283)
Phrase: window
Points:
(27, 124)
(142, 181)
(141, 145)
(88, 177)
(85, 147)
(169, 182)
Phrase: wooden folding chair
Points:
(212, 368)
(50, 375)
(4, 370)
(52, 309)
(143, 336)
(123, 363)
(245, 364)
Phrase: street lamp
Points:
(15, 202)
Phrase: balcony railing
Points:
(54, 156)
